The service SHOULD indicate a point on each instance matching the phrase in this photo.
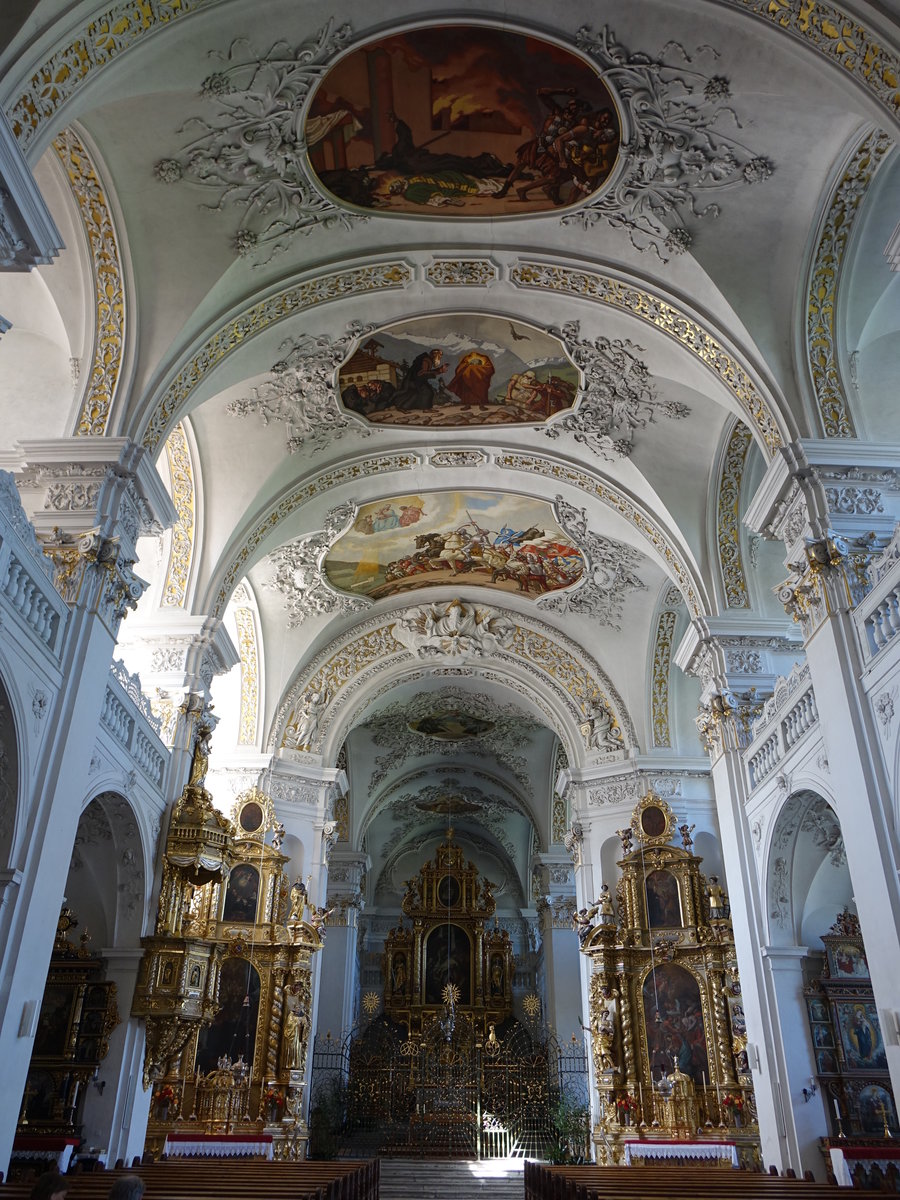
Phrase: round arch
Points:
(806, 880)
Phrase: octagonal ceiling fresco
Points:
(489, 539)
(463, 121)
(456, 371)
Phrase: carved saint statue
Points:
(399, 974)
(293, 1038)
(299, 896)
(717, 897)
(200, 760)
(605, 904)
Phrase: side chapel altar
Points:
(667, 1031)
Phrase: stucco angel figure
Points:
(600, 731)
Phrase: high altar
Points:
(667, 1028)
(225, 981)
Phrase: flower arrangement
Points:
(272, 1096)
(735, 1102)
(626, 1103)
(165, 1095)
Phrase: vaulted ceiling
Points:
(264, 206)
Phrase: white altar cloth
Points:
(725, 1151)
(235, 1145)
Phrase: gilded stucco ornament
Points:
(301, 392)
(834, 235)
(108, 283)
(659, 678)
(728, 528)
(245, 620)
(680, 152)
(299, 575)
(664, 316)
(181, 475)
(617, 396)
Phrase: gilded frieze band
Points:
(728, 526)
(181, 475)
(109, 295)
(337, 285)
(837, 223)
(591, 285)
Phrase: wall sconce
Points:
(809, 1092)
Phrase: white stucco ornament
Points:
(454, 631)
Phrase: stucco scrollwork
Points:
(298, 571)
(609, 570)
(679, 152)
(617, 397)
(252, 149)
(302, 393)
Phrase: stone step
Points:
(446, 1179)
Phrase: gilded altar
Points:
(225, 980)
(668, 1036)
(448, 958)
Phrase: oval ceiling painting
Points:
(511, 543)
(457, 371)
(461, 120)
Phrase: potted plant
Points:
(571, 1124)
(273, 1102)
(625, 1106)
(735, 1105)
(164, 1099)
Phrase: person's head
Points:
(127, 1187)
(51, 1186)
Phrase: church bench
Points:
(543, 1182)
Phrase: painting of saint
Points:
(861, 1036)
(448, 956)
(876, 1108)
(242, 894)
(457, 371)
(849, 962)
(663, 902)
(511, 543)
(673, 1020)
(462, 121)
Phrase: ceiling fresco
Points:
(463, 121)
(450, 726)
(458, 371)
(511, 543)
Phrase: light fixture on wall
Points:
(809, 1092)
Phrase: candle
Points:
(641, 1098)
(704, 1080)
(837, 1109)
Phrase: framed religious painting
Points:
(860, 1035)
(847, 959)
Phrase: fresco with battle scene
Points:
(458, 371)
(487, 539)
(463, 121)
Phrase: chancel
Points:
(449, 589)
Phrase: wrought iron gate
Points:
(452, 1095)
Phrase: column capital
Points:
(180, 653)
(834, 503)
(89, 500)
